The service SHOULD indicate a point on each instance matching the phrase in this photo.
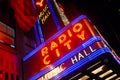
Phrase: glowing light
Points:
(53, 45)
(77, 27)
(66, 40)
(57, 53)
(62, 38)
(81, 36)
(44, 51)
(68, 44)
(45, 60)
(53, 72)
(40, 3)
(69, 33)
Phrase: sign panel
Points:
(46, 18)
(69, 38)
(79, 55)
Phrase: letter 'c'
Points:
(45, 61)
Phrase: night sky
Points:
(105, 14)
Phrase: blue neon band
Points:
(40, 31)
(81, 63)
(53, 37)
(38, 24)
(53, 15)
(78, 49)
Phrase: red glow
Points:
(67, 41)
(24, 13)
(1, 76)
(58, 46)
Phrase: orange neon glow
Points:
(45, 60)
(81, 36)
(69, 33)
(44, 51)
(65, 42)
(40, 3)
(53, 72)
(53, 45)
(77, 27)
(62, 38)
(57, 52)
(89, 27)
(99, 44)
(68, 44)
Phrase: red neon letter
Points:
(62, 38)
(40, 3)
(68, 44)
(53, 45)
(45, 60)
(44, 51)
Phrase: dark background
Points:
(105, 14)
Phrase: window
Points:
(17, 77)
(12, 77)
(1, 75)
(1, 61)
(6, 75)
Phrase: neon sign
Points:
(59, 45)
(63, 41)
(75, 58)
(68, 40)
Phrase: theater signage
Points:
(59, 45)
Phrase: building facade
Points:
(60, 43)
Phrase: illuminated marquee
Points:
(75, 58)
(64, 43)
(59, 45)
(53, 72)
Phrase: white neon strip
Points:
(111, 77)
(117, 78)
(84, 77)
(105, 74)
(99, 69)
(94, 65)
(75, 76)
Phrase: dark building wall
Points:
(24, 43)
